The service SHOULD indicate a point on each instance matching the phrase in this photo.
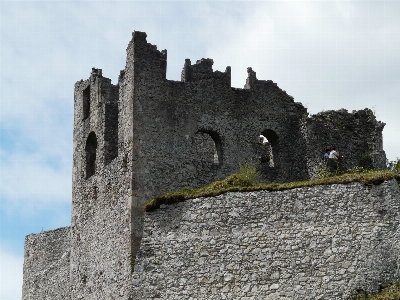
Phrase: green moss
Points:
(365, 161)
(390, 293)
(244, 181)
(132, 261)
(372, 112)
(396, 166)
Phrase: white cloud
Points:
(10, 275)
(32, 181)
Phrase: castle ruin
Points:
(147, 135)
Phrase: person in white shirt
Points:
(334, 154)
(333, 161)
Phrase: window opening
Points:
(268, 140)
(86, 102)
(208, 145)
(90, 149)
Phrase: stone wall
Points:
(198, 130)
(101, 234)
(101, 193)
(322, 242)
(46, 265)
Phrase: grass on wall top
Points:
(390, 293)
(244, 181)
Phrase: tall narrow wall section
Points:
(47, 265)
(322, 242)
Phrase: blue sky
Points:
(326, 54)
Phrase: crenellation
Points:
(186, 71)
(96, 73)
(147, 135)
(202, 69)
(251, 79)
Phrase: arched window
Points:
(86, 103)
(269, 142)
(90, 149)
(208, 146)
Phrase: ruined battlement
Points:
(146, 135)
(260, 107)
(202, 70)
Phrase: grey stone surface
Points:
(323, 242)
(100, 235)
(47, 265)
(146, 135)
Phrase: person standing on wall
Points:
(333, 160)
(334, 154)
